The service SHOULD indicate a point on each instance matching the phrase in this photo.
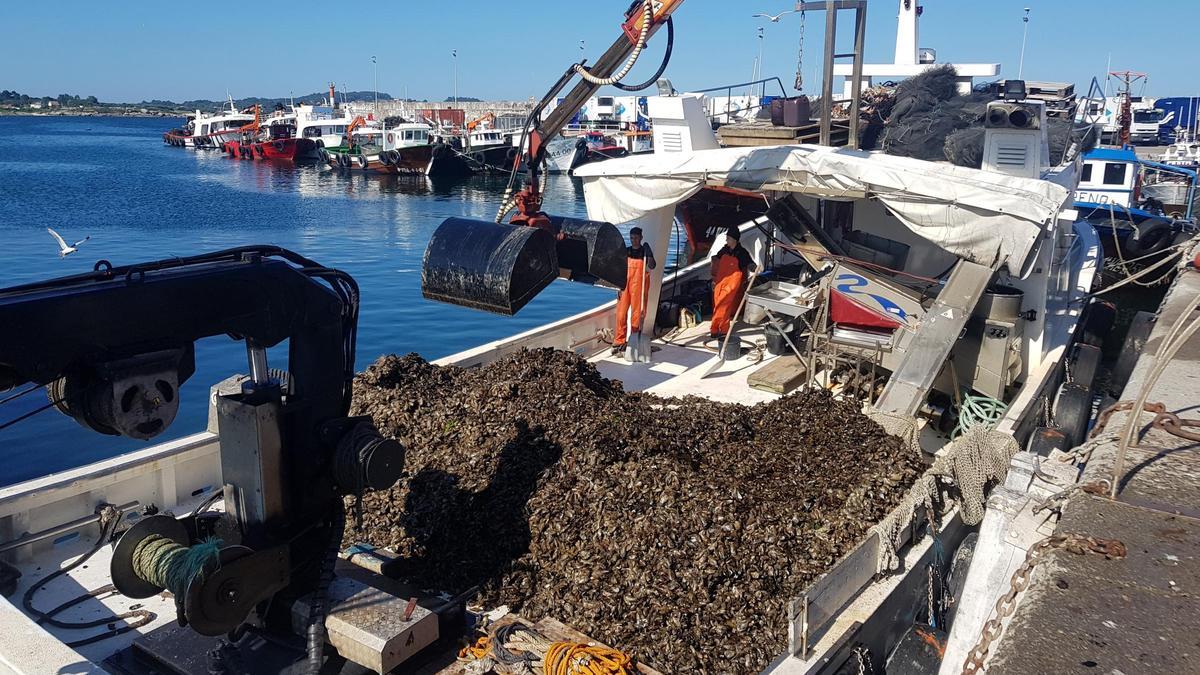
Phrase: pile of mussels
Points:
(675, 529)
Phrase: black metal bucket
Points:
(500, 268)
(488, 266)
(591, 251)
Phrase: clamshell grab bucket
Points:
(488, 266)
(500, 268)
(591, 251)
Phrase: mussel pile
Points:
(675, 529)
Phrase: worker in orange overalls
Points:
(729, 268)
(631, 302)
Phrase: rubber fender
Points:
(1072, 410)
(1098, 320)
(919, 652)
(956, 580)
(1045, 440)
(1084, 363)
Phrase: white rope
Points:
(647, 21)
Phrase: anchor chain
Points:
(1005, 605)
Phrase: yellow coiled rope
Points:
(573, 658)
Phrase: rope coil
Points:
(164, 563)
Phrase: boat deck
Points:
(1141, 613)
(87, 578)
(678, 367)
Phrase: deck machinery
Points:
(114, 345)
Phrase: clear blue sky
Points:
(135, 50)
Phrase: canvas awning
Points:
(988, 218)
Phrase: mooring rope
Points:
(164, 563)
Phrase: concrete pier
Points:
(1140, 613)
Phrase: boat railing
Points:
(729, 88)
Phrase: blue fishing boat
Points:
(1137, 206)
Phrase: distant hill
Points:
(463, 99)
(17, 99)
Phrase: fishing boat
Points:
(1138, 206)
(952, 302)
(213, 131)
(278, 138)
(404, 148)
(885, 245)
(486, 149)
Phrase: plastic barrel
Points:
(488, 266)
(592, 251)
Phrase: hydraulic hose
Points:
(318, 608)
(647, 21)
(662, 68)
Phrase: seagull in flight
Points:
(63, 249)
(775, 18)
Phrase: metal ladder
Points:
(831, 8)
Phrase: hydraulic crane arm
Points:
(606, 65)
(500, 268)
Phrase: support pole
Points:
(656, 230)
(827, 78)
(860, 37)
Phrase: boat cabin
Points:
(484, 138)
(1110, 176)
(406, 135)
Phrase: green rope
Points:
(976, 411)
(162, 562)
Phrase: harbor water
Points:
(112, 179)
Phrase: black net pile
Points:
(924, 117)
(676, 529)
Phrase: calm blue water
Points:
(114, 180)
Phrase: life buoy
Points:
(362, 161)
(278, 145)
(391, 137)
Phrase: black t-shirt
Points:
(640, 252)
(743, 257)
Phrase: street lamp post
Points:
(761, 40)
(376, 65)
(1024, 36)
(454, 54)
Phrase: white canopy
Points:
(988, 218)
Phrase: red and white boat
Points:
(210, 130)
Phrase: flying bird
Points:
(63, 249)
(775, 18)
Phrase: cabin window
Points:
(604, 100)
(408, 135)
(1087, 174)
(1114, 173)
(312, 132)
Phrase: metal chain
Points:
(930, 618)
(1005, 605)
(799, 85)
(865, 667)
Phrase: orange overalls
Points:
(637, 285)
(728, 286)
